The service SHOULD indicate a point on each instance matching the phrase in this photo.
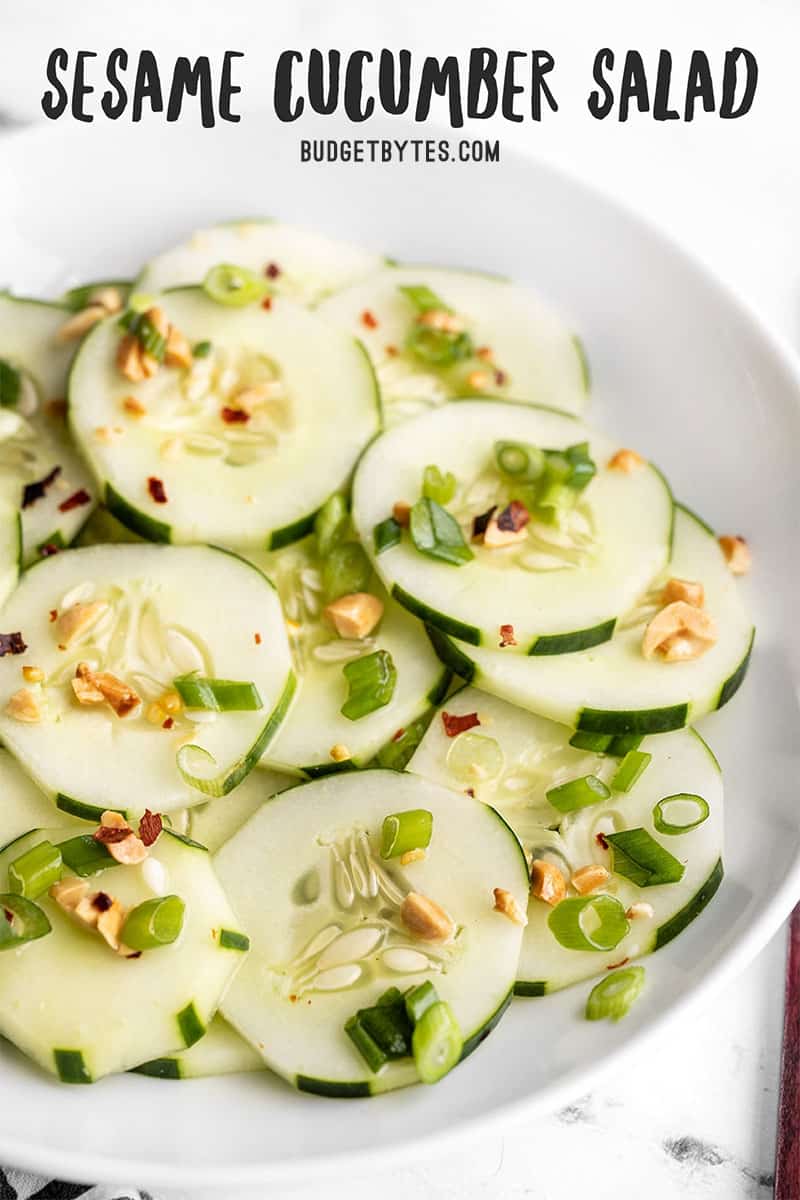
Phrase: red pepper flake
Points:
(151, 824)
(481, 523)
(48, 549)
(293, 998)
(167, 723)
(455, 724)
(257, 638)
(266, 304)
(621, 963)
(272, 270)
(75, 500)
(155, 487)
(397, 735)
(57, 409)
(12, 643)
(109, 834)
(53, 615)
(470, 792)
(234, 416)
(369, 320)
(392, 351)
(600, 838)
(36, 490)
(102, 902)
(500, 378)
(507, 636)
(9, 916)
(514, 517)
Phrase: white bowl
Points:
(681, 370)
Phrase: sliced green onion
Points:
(201, 349)
(84, 856)
(554, 501)
(365, 1044)
(330, 524)
(406, 831)
(423, 299)
(372, 680)
(437, 1042)
(438, 534)
(699, 812)
(35, 871)
(613, 996)
(217, 695)
(475, 758)
(396, 754)
(419, 999)
(154, 924)
(632, 767)
(142, 328)
(639, 857)
(345, 570)
(519, 460)
(583, 469)
(621, 743)
(386, 534)
(388, 1025)
(578, 793)
(234, 286)
(392, 995)
(438, 348)
(21, 921)
(10, 385)
(437, 486)
(595, 922)
(598, 742)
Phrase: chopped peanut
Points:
(639, 910)
(547, 882)
(737, 554)
(627, 461)
(339, 753)
(113, 820)
(586, 879)
(401, 513)
(441, 320)
(133, 406)
(679, 632)
(129, 359)
(109, 297)
(119, 695)
(69, 892)
(178, 352)
(683, 589)
(506, 904)
(479, 381)
(81, 322)
(158, 319)
(85, 691)
(95, 910)
(495, 538)
(110, 922)
(355, 615)
(130, 850)
(425, 918)
(24, 706)
(33, 674)
(410, 856)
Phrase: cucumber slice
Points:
(538, 358)
(22, 805)
(612, 688)
(316, 724)
(558, 598)
(81, 1011)
(10, 548)
(103, 529)
(34, 440)
(169, 610)
(309, 264)
(219, 1052)
(298, 873)
(529, 756)
(256, 483)
(214, 823)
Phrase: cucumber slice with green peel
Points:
(34, 440)
(220, 1051)
(151, 613)
(613, 688)
(108, 1013)
(559, 589)
(316, 723)
(534, 356)
(103, 529)
(22, 805)
(309, 265)
(520, 757)
(197, 466)
(212, 824)
(322, 911)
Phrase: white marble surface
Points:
(695, 1115)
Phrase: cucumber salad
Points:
(349, 676)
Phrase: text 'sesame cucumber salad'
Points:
(348, 676)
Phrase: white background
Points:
(695, 1114)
